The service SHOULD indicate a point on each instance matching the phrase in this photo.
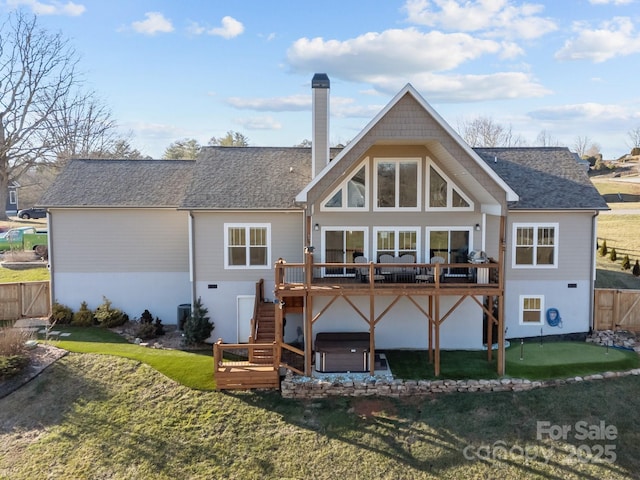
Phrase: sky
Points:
(170, 70)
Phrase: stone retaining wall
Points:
(309, 388)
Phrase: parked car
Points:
(28, 213)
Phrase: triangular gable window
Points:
(352, 194)
(443, 194)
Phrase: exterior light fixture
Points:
(477, 227)
(316, 227)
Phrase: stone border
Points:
(297, 387)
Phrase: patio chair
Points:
(386, 258)
(363, 272)
(428, 275)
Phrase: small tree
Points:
(107, 316)
(83, 317)
(60, 314)
(197, 327)
(603, 249)
(613, 255)
(626, 263)
(636, 269)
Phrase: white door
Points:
(245, 312)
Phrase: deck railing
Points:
(386, 275)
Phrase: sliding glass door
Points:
(342, 246)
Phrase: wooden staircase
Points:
(265, 332)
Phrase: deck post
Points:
(436, 321)
(372, 327)
(489, 306)
(430, 323)
(501, 332)
(308, 310)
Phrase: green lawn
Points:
(191, 369)
(93, 416)
(565, 359)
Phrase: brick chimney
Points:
(320, 123)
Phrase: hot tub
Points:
(342, 352)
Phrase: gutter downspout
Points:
(592, 283)
(50, 258)
(192, 261)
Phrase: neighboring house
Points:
(12, 198)
(156, 234)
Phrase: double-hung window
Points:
(535, 245)
(247, 245)
(531, 309)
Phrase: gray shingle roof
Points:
(119, 183)
(545, 178)
(248, 177)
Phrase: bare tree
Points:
(484, 132)
(231, 139)
(81, 127)
(37, 72)
(545, 139)
(634, 138)
(581, 144)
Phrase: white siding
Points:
(137, 258)
(119, 240)
(404, 326)
(132, 292)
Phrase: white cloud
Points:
(51, 8)
(155, 22)
(596, 112)
(612, 2)
(495, 18)
(259, 123)
(230, 28)
(400, 51)
(292, 103)
(469, 88)
(615, 38)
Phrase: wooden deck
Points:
(240, 366)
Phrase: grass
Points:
(454, 365)
(191, 369)
(92, 416)
(565, 359)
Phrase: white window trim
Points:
(535, 226)
(427, 241)
(13, 197)
(340, 228)
(246, 226)
(450, 187)
(521, 310)
(344, 188)
(397, 230)
(397, 160)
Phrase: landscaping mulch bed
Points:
(39, 359)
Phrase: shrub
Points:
(626, 263)
(10, 366)
(636, 269)
(603, 249)
(197, 327)
(613, 255)
(148, 328)
(83, 317)
(107, 316)
(12, 341)
(60, 314)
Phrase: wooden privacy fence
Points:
(616, 309)
(24, 300)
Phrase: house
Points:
(462, 247)
(12, 198)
